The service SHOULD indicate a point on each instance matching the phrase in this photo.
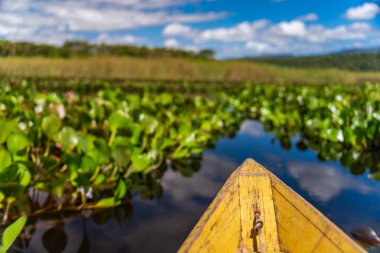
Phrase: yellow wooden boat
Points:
(257, 212)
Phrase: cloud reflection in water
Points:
(251, 127)
(324, 182)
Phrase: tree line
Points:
(355, 61)
(83, 49)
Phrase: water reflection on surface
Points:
(161, 224)
(323, 182)
(158, 225)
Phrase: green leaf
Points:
(79, 180)
(17, 142)
(26, 177)
(68, 138)
(166, 98)
(118, 119)
(12, 231)
(100, 179)
(121, 155)
(122, 142)
(49, 164)
(376, 115)
(80, 176)
(107, 202)
(140, 162)
(86, 143)
(6, 127)
(9, 172)
(134, 101)
(51, 125)
(59, 186)
(181, 153)
(72, 160)
(349, 136)
(88, 164)
(167, 143)
(121, 190)
(100, 152)
(372, 131)
(136, 133)
(150, 124)
(335, 135)
(5, 159)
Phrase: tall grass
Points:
(174, 70)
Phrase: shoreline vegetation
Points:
(86, 61)
(173, 69)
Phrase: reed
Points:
(175, 69)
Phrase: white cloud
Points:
(175, 44)
(363, 12)
(240, 32)
(286, 37)
(294, 28)
(118, 39)
(146, 4)
(278, 34)
(171, 43)
(308, 17)
(30, 19)
(47, 36)
(83, 17)
(355, 31)
(176, 29)
(259, 47)
(14, 5)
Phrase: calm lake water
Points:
(161, 225)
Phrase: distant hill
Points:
(355, 60)
(358, 50)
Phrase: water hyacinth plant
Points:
(90, 151)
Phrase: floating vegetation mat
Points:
(91, 151)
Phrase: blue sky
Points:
(231, 28)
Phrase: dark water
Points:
(161, 225)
